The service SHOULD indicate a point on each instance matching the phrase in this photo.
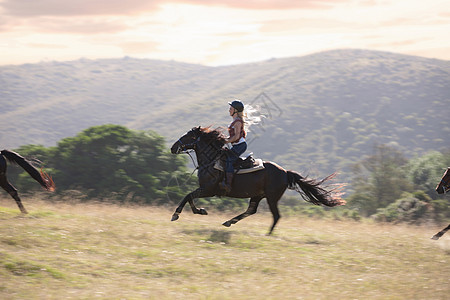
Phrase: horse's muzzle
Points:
(176, 148)
(441, 189)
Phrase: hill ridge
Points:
(333, 105)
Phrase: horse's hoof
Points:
(227, 224)
(175, 217)
(202, 211)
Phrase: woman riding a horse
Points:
(236, 137)
(270, 181)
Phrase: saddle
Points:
(242, 165)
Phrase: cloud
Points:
(290, 25)
(85, 26)
(64, 25)
(34, 8)
(47, 46)
(266, 4)
(138, 48)
(4, 25)
(213, 31)
(444, 15)
(394, 44)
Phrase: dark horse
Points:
(270, 182)
(442, 188)
(40, 176)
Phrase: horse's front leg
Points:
(441, 233)
(198, 193)
(195, 210)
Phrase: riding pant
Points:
(233, 155)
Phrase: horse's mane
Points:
(212, 135)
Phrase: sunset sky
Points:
(218, 32)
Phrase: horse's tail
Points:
(311, 190)
(40, 176)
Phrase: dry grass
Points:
(86, 251)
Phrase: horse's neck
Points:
(207, 155)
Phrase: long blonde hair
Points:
(241, 114)
(251, 116)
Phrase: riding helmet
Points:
(238, 105)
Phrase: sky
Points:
(216, 32)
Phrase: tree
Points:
(426, 171)
(379, 180)
(89, 161)
(112, 160)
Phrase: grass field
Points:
(99, 251)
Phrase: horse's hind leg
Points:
(252, 208)
(275, 213)
(272, 200)
(12, 191)
(15, 195)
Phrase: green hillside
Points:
(323, 111)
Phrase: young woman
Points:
(236, 137)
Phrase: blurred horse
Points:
(442, 188)
(444, 185)
(40, 176)
(270, 181)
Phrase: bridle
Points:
(192, 147)
(184, 148)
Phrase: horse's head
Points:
(444, 186)
(187, 141)
(199, 137)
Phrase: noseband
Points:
(185, 147)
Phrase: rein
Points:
(185, 150)
(193, 161)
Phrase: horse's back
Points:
(276, 174)
(274, 166)
(271, 179)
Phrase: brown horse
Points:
(442, 188)
(270, 182)
(40, 176)
(444, 185)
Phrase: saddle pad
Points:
(256, 167)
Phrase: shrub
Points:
(408, 209)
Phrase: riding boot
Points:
(227, 181)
